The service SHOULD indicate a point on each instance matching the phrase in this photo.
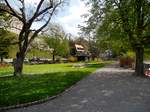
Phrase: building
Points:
(79, 52)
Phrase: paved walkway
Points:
(110, 89)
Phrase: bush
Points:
(126, 61)
(131, 54)
(72, 59)
(3, 65)
(122, 61)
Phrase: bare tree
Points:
(42, 12)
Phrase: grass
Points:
(39, 81)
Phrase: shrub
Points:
(122, 61)
(3, 65)
(72, 59)
(126, 61)
(131, 54)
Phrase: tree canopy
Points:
(6, 38)
(56, 40)
(126, 21)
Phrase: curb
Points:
(38, 101)
(45, 99)
(28, 104)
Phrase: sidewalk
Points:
(109, 89)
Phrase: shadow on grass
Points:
(29, 88)
(87, 65)
(3, 74)
(96, 65)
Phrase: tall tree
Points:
(41, 11)
(93, 19)
(131, 18)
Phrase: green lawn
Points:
(40, 81)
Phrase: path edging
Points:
(43, 100)
(39, 101)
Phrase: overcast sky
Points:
(69, 16)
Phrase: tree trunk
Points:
(53, 57)
(1, 59)
(18, 64)
(139, 68)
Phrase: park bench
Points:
(147, 68)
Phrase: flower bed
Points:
(126, 61)
(147, 69)
(3, 65)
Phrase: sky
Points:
(69, 17)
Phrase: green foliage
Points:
(12, 51)
(45, 81)
(147, 56)
(110, 34)
(147, 52)
(119, 24)
(6, 38)
(131, 54)
(64, 48)
(38, 53)
(56, 40)
(4, 17)
(59, 46)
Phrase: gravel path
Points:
(109, 89)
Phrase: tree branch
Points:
(23, 10)
(12, 12)
(37, 13)
(37, 10)
(42, 27)
(42, 17)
